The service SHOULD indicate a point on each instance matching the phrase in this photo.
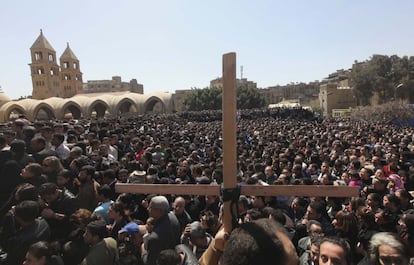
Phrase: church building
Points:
(48, 78)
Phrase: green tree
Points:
(211, 98)
(391, 77)
(249, 98)
(382, 74)
(361, 80)
(203, 99)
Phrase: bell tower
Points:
(70, 74)
(44, 69)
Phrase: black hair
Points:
(65, 173)
(168, 257)
(26, 191)
(60, 137)
(255, 243)
(105, 191)
(341, 243)
(27, 211)
(90, 170)
(109, 173)
(276, 214)
(97, 228)
(40, 249)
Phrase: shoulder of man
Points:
(110, 242)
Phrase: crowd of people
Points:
(59, 204)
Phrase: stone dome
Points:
(3, 97)
(92, 105)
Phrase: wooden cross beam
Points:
(229, 128)
(230, 159)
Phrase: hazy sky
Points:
(172, 45)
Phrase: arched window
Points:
(38, 56)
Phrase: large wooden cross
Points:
(229, 127)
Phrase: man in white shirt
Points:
(60, 148)
(111, 149)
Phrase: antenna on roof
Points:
(241, 72)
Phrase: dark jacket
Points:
(18, 240)
(184, 219)
(10, 169)
(65, 204)
(166, 235)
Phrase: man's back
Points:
(166, 235)
(87, 195)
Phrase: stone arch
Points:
(13, 112)
(43, 111)
(126, 105)
(154, 104)
(99, 109)
(72, 110)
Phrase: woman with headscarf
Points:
(395, 183)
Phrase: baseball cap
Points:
(129, 228)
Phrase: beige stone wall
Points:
(218, 82)
(113, 85)
(333, 97)
(306, 93)
(177, 99)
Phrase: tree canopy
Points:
(211, 98)
(391, 77)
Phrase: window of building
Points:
(75, 65)
(66, 65)
(67, 77)
(51, 59)
(38, 56)
(40, 71)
